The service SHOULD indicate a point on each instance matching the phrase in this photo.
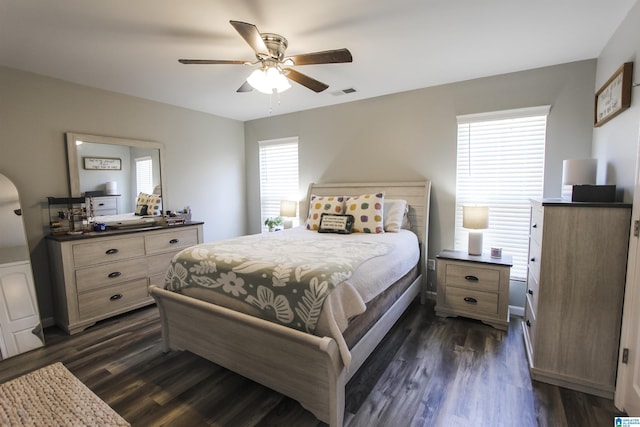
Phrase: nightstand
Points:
(475, 286)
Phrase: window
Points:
(144, 175)
(278, 175)
(501, 164)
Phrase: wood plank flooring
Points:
(428, 371)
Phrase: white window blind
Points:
(278, 175)
(500, 164)
(144, 175)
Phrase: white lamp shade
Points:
(475, 217)
(268, 81)
(579, 171)
(288, 208)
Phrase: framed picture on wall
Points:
(102, 163)
(614, 96)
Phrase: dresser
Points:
(101, 274)
(474, 286)
(575, 288)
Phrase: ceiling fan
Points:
(274, 68)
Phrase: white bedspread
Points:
(348, 299)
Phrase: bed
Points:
(312, 369)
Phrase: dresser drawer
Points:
(112, 298)
(110, 274)
(106, 251)
(535, 230)
(105, 203)
(530, 321)
(534, 259)
(470, 300)
(178, 239)
(158, 264)
(532, 291)
(472, 277)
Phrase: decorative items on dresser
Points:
(102, 274)
(475, 286)
(575, 287)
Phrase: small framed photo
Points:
(102, 163)
(614, 96)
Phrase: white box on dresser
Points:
(102, 274)
(575, 288)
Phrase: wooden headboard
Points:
(416, 193)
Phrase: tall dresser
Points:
(102, 274)
(575, 288)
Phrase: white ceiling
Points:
(132, 46)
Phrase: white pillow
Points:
(394, 213)
(323, 204)
(367, 212)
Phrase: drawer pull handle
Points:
(111, 251)
(174, 241)
(470, 300)
(528, 323)
(532, 260)
(471, 278)
(114, 274)
(534, 226)
(530, 292)
(100, 204)
(115, 297)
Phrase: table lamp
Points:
(288, 209)
(475, 219)
(577, 172)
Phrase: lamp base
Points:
(475, 242)
(288, 223)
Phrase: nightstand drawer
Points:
(472, 277)
(469, 300)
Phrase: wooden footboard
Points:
(304, 367)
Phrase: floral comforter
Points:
(286, 278)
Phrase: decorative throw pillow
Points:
(335, 223)
(141, 210)
(394, 213)
(153, 202)
(367, 211)
(323, 204)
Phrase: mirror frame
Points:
(72, 157)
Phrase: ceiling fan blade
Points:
(209, 61)
(306, 81)
(246, 87)
(325, 57)
(251, 35)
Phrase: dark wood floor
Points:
(427, 372)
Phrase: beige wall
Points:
(615, 144)
(412, 136)
(204, 154)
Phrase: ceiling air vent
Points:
(344, 91)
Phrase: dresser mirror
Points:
(116, 168)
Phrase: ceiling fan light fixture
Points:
(268, 81)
